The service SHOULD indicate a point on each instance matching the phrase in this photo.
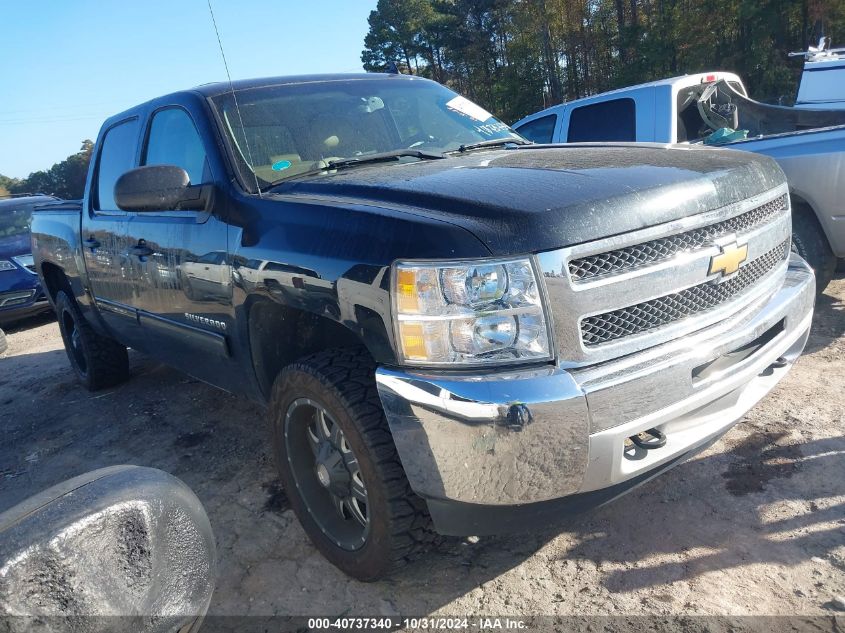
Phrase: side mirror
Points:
(159, 187)
(119, 541)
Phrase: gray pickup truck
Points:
(454, 331)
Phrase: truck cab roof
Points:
(681, 81)
(218, 88)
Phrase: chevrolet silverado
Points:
(454, 331)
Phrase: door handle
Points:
(91, 243)
(141, 249)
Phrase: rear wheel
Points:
(98, 361)
(339, 466)
(810, 242)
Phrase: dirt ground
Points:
(756, 525)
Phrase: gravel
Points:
(752, 526)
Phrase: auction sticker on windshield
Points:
(462, 105)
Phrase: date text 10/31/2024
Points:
(424, 623)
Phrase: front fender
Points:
(333, 261)
(56, 242)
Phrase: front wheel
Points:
(339, 466)
(97, 361)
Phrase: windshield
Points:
(15, 219)
(289, 130)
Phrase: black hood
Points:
(533, 199)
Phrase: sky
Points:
(66, 66)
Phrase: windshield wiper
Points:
(381, 157)
(495, 142)
(342, 163)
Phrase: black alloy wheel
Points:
(327, 474)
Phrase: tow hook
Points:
(649, 439)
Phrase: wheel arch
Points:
(803, 204)
(55, 279)
(279, 334)
(812, 242)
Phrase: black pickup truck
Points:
(455, 331)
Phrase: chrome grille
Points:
(654, 251)
(648, 315)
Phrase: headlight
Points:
(469, 313)
(7, 265)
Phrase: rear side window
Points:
(116, 157)
(539, 130)
(606, 121)
(174, 140)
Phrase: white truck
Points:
(808, 144)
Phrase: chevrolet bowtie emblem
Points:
(729, 260)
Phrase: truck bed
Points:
(824, 139)
(761, 119)
(814, 163)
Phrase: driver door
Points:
(182, 277)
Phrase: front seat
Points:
(120, 541)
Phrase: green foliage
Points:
(6, 185)
(65, 179)
(518, 56)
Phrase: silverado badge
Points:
(729, 260)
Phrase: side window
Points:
(539, 130)
(606, 121)
(174, 140)
(116, 157)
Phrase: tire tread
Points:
(108, 360)
(811, 243)
(349, 374)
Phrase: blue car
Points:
(21, 294)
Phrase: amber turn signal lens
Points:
(406, 290)
(413, 342)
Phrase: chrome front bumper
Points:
(521, 437)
